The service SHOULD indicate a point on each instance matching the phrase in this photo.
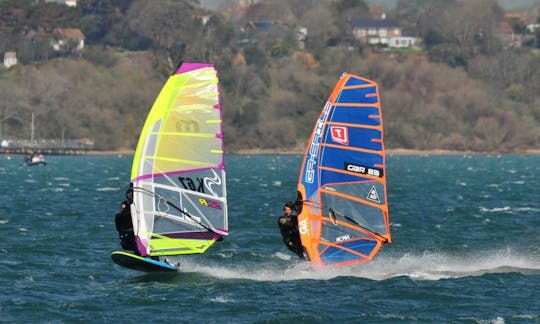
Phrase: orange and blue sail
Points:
(342, 183)
(178, 172)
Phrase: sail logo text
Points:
(210, 182)
(187, 126)
(193, 185)
(315, 145)
(209, 203)
(363, 170)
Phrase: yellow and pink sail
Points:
(178, 172)
(342, 183)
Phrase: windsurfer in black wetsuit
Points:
(124, 226)
(288, 226)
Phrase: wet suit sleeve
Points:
(286, 227)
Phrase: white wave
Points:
(226, 254)
(495, 209)
(436, 266)
(497, 320)
(282, 256)
(526, 209)
(4, 221)
(61, 179)
(426, 266)
(221, 300)
(52, 189)
(107, 189)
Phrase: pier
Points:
(46, 146)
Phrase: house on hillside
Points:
(68, 39)
(383, 32)
(301, 35)
(404, 42)
(10, 59)
(203, 15)
(373, 32)
(506, 34)
(531, 28)
(69, 3)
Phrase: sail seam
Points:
(359, 86)
(357, 149)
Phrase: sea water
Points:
(466, 248)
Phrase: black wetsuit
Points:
(288, 226)
(124, 226)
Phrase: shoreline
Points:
(398, 151)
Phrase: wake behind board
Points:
(140, 263)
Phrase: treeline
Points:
(464, 91)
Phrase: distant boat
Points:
(178, 173)
(343, 218)
(35, 159)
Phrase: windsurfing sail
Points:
(343, 218)
(178, 172)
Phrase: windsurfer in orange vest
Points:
(288, 226)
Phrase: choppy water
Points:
(465, 229)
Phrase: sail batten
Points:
(178, 172)
(194, 163)
(342, 183)
(354, 125)
(356, 105)
(186, 134)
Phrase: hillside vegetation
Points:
(458, 93)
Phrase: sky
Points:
(506, 4)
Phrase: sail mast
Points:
(32, 130)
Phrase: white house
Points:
(532, 27)
(404, 42)
(301, 34)
(10, 59)
(372, 31)
(69, 3)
